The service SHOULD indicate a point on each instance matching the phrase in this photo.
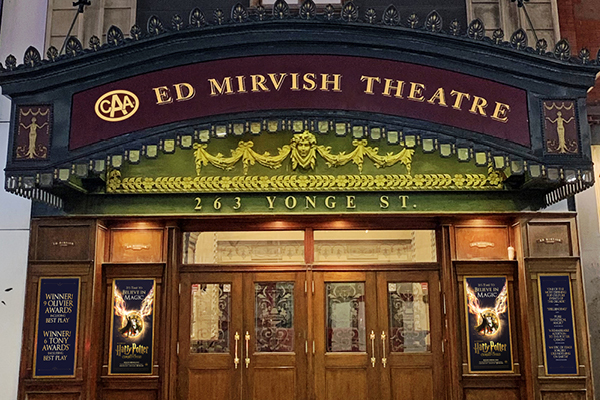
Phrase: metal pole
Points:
(530, 23)
(521, 4)
(80, 4)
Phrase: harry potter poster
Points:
(132, 326)
(488, 326)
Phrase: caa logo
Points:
(117, 105)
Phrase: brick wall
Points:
(580, 25)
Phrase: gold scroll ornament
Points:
(302, 152)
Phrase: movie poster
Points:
(132, 326)
(488, 324)
(56, 334)
(560, 350)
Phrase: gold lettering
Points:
(295, 81)
(336, 82)
(277, 83)
(102, 103)
(241, 84)
(501, 112)
(127, 103)
(163, 96)
(191, 92)
(259, 80)
(217, 89)
(478, 106)
(416, 91)
(330, 202)
(403, 199)
(459, 98)
(389, 85)
(310, 79)
(290, 202)
(311, 201)
(440, 96)
(384, 202)
(350, 201)
(116, 105)
(116, 102)
(271, 201)
(370, 80)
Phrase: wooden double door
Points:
(359, 335)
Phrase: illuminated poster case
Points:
(57, 319)
(556, 305)
(488, 324)
(132, 327)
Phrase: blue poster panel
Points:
(55, 351)
(132, 327)
(488, 324)
(556, 304)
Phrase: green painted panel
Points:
(305, 203)
(289, 162)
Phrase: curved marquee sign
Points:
(218, 109)
(299, 82)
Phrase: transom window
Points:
(326, 246)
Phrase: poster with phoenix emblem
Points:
(488, 324)
(132, 326)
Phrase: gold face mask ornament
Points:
(132, 321)
(488, 319)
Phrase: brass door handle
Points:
(384, 358)
(236, 359)
(372, 337)
(247, 338)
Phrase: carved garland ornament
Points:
(303, 151)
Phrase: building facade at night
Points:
(274, 201)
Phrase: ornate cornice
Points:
(303, 155)
(390, 21)
(104, 167)
(547, 75)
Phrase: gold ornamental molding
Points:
(197, 184)
(302, 152)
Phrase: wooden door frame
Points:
(187, 279)
(300, 329)
(436, 319)
(320, 323)
(308, 225)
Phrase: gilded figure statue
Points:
(33, 150)
(562, 146)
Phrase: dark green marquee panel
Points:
(303, 105)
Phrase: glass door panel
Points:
(210, 322)
(275, 320)
(346, 330)
(409, 330)
(410, 335)
(210, 317)
(345, 314)
(274, 317)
